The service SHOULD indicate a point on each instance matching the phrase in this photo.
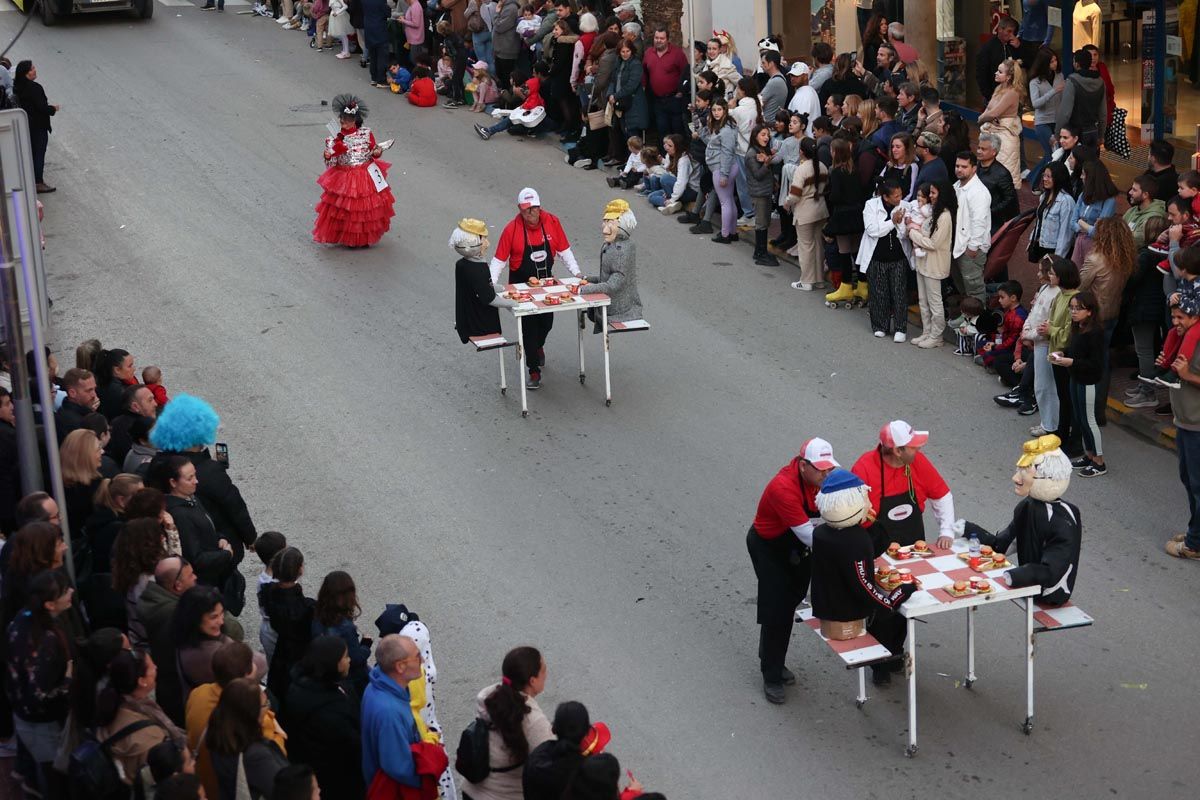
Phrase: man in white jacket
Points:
(972, 229)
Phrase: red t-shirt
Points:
(511, 246)
(927, 482)
(786, 503)
(664, 73)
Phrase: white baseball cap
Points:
(819, 453)
(528, 197)
(899, 433)
(799, 68)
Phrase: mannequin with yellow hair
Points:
(475, 298)
(1047, 530)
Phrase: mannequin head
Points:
(843, 500)
(1043, 470)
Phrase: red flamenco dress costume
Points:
(352, 210)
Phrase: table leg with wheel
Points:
(607, 378)
(970, 680)
(521, 357)
(862, 687)
(910, 667)
(503, 378)
(1028, 726)
(582, 376)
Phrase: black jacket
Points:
(1047, 537)
(101, 529)
(549, 768)
(845, 86)
(999, 181)
(199, 538)
(990, 57)
(110, 395)
(32, 97)
(1166, 183)
(1087, 353)
(846, 199)
(222, 500)
(120, 441)
(1144, 299)
(69, 417)
(80, 507)
(843, 576)
(291, 615)
(323, 725)
(10, 479)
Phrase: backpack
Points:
(475, 23)
(92, 769)
(473, 757)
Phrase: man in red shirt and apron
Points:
(901, 480)
(528, 245)
(779, 543)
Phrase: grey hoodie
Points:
(1083, 103)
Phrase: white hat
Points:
(767, 44)
(528, 197)
(799, 68)
(625, 7)
(819, 453)
(899, 433)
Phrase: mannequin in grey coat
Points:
(618, 266)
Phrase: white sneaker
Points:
(802, 286)
(672, 208)
(900, 338)
(932, 342)
(1037, 430)
(745, 222)
(880, 334)
(916, 340)
(283, 20)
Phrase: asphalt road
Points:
(612, 538)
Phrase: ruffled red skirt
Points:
(351, 212)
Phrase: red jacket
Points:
(430, 761)
(422, 93)
(160, 392)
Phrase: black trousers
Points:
(1071, 438)
(536, 329)
(377, 55)
(39, 138)
(890, 628)
(457, 89)
(783, 569)
(504, 71)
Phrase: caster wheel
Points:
(608, 402)
(910, 751)
(859, 703)
(524, 414)
(582, 379)
(1027, 728)
(968, 683)
(504, 391)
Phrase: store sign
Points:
(1175, 45)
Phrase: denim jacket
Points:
(1091, 213)
(1058, 223)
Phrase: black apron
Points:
(783, 568)
(899, 519)
(535, 261)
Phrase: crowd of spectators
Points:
(124, 655)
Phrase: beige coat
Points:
(936, 263)
(806, 204)
(507, 785)
(1098, 278)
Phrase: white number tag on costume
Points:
(377, 177)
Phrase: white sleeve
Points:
(496, 266)
(681, 179)
(943, 512)
(804, 532)
(569, 259)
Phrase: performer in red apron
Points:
(779, 542)
(901, 480)
(529, 245)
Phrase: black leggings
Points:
(1062, 383)
(504, 71)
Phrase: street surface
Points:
(186, 156)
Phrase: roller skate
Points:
(844, 297)
(860, 294)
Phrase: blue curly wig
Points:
(185, 422)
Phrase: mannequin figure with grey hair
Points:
(1046, 529)
(475, 298)
(618, 266)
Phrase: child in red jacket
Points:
(1009, 346)
(422, 92)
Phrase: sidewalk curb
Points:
(1159, 433)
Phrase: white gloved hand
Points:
(960, 528)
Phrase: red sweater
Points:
(422, 93)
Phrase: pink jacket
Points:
(414, 24)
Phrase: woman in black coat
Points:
(32, 97)
(843, 81)
(846, 198)
(321, 716)
(562, 100)
(291, 615)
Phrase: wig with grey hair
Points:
(467, 245)
(991, 139)
(625, 224)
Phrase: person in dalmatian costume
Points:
(1047, 530)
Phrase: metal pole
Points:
(691, 46)
(1160, 69)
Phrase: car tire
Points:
(144, 8)
(50, 15)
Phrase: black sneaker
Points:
(1028, 409)
(789, 678)
(881, 675)
(774, 693)
(534, 382)
(721, 238)
(703, 226)
(1163, 411)
(1008, 399)
(1093, 470)
(1083, 462)
(688, 218)
(482, 131)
